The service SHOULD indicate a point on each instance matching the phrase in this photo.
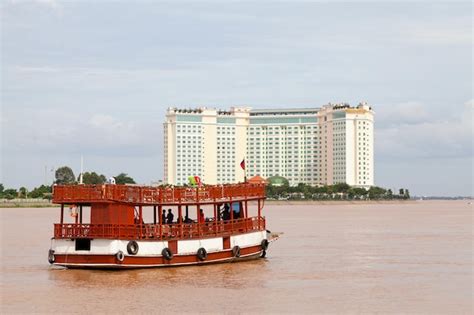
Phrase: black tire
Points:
(120, 256)
(236, 251)
(167, 253)
(132, 247)
(202, 254)
(264, 244)
(263, 254)
(51, 257)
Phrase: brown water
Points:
(377, 258)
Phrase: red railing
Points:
(146, 195)
(155, 231)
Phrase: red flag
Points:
(242, 164)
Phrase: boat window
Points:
(83, 244)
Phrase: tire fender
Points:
(236, 251)
(202, 254)
(132, 247)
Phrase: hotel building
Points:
(317, 146)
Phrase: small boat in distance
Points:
(117, 235)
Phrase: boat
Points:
(129, 225)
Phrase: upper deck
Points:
(148, 195)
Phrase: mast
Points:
(82, 169)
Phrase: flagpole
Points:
(242, 165)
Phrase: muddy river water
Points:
(415, 257)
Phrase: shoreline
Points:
(28, 205)
(338, 202)
(267, 202)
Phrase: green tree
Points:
(376, 192)
(2, 188)
(407, 194)
(123, 178)
(341, 187)
(64, 175)
(93, 178)
(23, 192)
(41, 192)
(10, 193)
(389, 194)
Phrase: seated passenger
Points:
(187, 220)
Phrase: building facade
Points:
(317, 146)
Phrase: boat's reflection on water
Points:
(225, 275)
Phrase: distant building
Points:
(328, 145)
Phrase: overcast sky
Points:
(96, 79)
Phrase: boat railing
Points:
(148, 195)
(153, 231)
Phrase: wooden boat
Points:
(117, 235)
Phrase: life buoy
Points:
(202, 254)
(264, 244)
(120, 256)
(132, 247)
(236, 251)
(51, 257)
(167, 253)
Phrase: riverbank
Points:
(339, 202)
(18, 203)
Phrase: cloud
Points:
(53, 5)
(403, 113)
(46, 131)
(412, 131)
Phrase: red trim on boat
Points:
(110, 261)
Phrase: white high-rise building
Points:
(328, 145)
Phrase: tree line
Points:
(341, 191)
(63, 176)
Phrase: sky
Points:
(95, 79)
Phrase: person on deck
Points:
(201, 216)
(169, 217)
(226, 212)
(163, 217)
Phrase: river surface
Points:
(366, 258)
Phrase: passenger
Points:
(187, 220)
(201, 216)
(169, 217)
(163, 217)
(226, 213)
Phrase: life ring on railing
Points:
(132, 247)
(51, 257)
(120, 256)
(264, 244)
(167, 253)
(236, 251)
(202, 254)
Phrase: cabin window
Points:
(83, 244)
